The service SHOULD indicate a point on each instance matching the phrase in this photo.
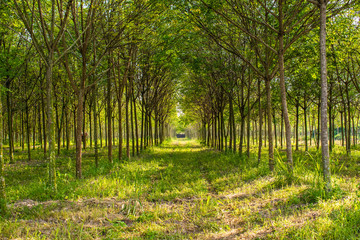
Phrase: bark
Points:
(10, 122)
(120, 125)
(51, 156)
(27, 130)
(248, 125)
(100, 132)
(79, 125)
(22, 134)
(137, 130)
(67, 129)
(142, 125)
(348, 141)
(306, 126)
(283, 88)
(34, 128)
(109, 110)
(132, 124)
(269, 125)
(3, 207)
(282, 129)
(127, 123)
(260, 123)
(90, 124)
(95, 127)
(275, 133)
(44, 121)
(39, 125)
(324, 93)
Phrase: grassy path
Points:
(180, 190)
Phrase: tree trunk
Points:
(127, 123)
(109, 121)
(324, 93)
(84, 133)
(34, 128)
(3, 207)
(132, 124)
(269, 121)
(79, 134)
(260, 122)
(40, 128)
(305, 121)
(51, 156)
(348, 140)
(10, 122)
(27, 130)
(23, 134)
(283, 88)
(67, 129)
(44, 121)
(95, 127)
(136, 128)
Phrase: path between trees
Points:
(179, 190)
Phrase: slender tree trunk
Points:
(132, 124)
(248, 128)
(23, 134)
(79, 134)
(58, 129)
(318, 126)
(127, 123)
(348, 140)
(324, 93)
(222, 130)
(142, 125)
(275, 132)
(44, 121)
(39, 124)
(90, 125)
(96, 147)
(100, 131)
(282, 129)
(306, 127)
(113, 131)
(51, 156)
(27, 130)
(346, 128)
(67, 129)
(260, 122)
(269, 121)
(283, 88)
(3, 207)
(120, 126)
(109, 121)
(34, 128)
(242, 133)
(136, 128)
(10, 121)
(84, 133)
(213, 131)
(230, 124)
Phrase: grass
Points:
(182, 190)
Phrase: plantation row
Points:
(128, 74)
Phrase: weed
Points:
(182, 190)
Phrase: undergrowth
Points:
(182, 190)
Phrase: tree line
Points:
(86, 74)
(264, 69)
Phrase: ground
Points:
(182, 190)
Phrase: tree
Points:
(52, 28)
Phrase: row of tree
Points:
(77, 72)
(266, 64)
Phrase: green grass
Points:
(182, 190)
